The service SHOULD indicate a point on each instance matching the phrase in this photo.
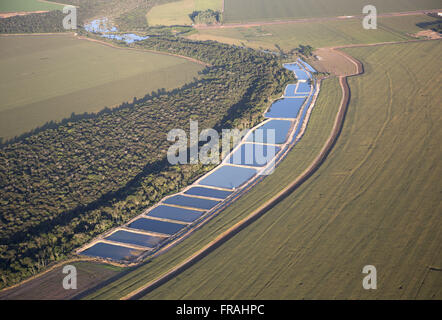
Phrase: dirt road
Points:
(228, 234)
(307, 20)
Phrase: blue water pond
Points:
(228, 177)
(100, 26)
(111, 251)
(281, 128)
(208, 192)
(285, 108)
(173, 213)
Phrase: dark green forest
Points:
(65, 184)
(51, 21)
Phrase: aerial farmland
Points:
(220, 150)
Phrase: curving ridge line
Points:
(257, 213)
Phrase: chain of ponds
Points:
(176, 214)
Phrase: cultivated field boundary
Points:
(215, 211)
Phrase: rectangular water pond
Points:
(156, 226)
(300, 73)
(111, 251)
(303, 87)
(261, 133)
(173, 213)
(285, 108)
(192, 202)
(228, 177)
(252, 154)
(139, 239)
(208, 192)
(302, 117)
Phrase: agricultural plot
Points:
(407, 25)
(301, 73)
(28, 5)
(303, 88)
(111, 251)
(375, 200)
(177, 13)
(317, 34)
(253, 154)
(65, 75)
(264, 10)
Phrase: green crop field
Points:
(298, 159)
(317, 34)
(48, 77)
(177, 13)
(27, 5)
(375, 201)
(264, 10)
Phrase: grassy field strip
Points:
(302, 154)
(65, 74)
(264, 10)
(375, 200)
